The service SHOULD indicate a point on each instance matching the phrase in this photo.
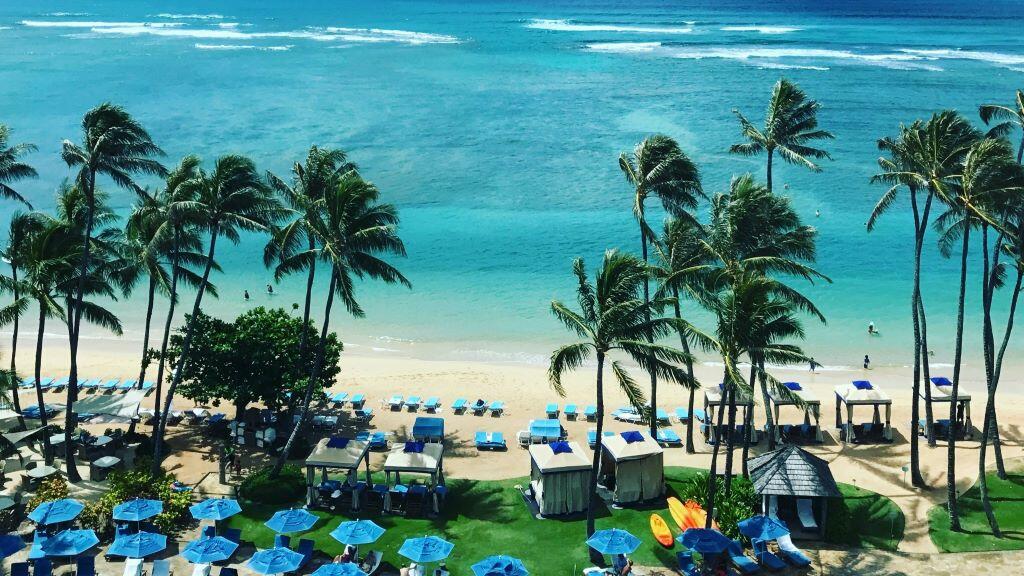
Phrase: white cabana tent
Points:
(425, 458)
(559, 477)
(336, 454)
(862, 393)
(811, 407)
(110, 408)
(714, 400)
(941, 389)
(632, 467)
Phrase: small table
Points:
(40, 472)
(101, 467)
(100, 441)
(6, 503)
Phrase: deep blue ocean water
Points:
(495, 127)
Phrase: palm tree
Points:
(790, 127)
(229, 200)
(21, 228)
(12, 169)
(613, 318)
(116, 146)
(350, 233)
(988, 174)
(1012, 117)
(658, 166)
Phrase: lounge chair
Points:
(432, 404)
(147, 386)
(233, 534)
(592, 436)
(668, 437)
(44, 383)
(42, 567)
(228, 571)
(791, 553)
(201, 570)
(306, 549)
(805, 510)
(570, 412)
(662, 416)
(412, 403)
(497, 408)
(478, 407)
(371, 562)
(686, 565)
(773, 507)
(395, 402)
(363, 415)
(59, 384)
(378, 440)
(339, 398)
(127, 385)
(27, 383)
(89, 384)
(86, 566)
(765, 557)
(459, 406)
(282, 541)
(110, 384)
(132, 567)
(740, 560)
(161, 568)
(523, 438)
(209, 531)
(19, 569)
(357, 401)
(551, 410)
(683, 415)
(490, 441)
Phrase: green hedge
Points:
(287, 488)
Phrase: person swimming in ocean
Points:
(270, 289)
(871, 329)
(246, 295)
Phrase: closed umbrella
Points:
(9, 544)
(499, 566)
(137, 545)
(347, 569)
(137, 510)
(704, 540)
(275, 561)
(293, 520)
(56, 511)
(356, 532)
(209, 550)
(69, 543)
(763, 528)
(426, 549)
(613, 541)
(215, 509)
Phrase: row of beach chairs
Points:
(339, 399)
(788, 555)
(412, 403)
(112, 384)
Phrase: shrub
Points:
(139, 483)
(52, 489)
(285, 489)
(740, 505)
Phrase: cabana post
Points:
(797, 396)
(714, 400)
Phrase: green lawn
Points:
(1007, 498)
(864, 519)
(483, 518)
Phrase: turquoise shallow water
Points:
(495, 127)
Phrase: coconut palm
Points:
(227, 201)
(612, 318)
(12, 169)
(351, 233)
(790, 127)
(21, 228)
(658, 167)
(1011, 116)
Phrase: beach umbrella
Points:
(499, 566)
(426, 549)
(275, 561)
(347, 569)
(704, 540)
(56, 511)
(357, 532)
(293, 520)
(137, 545)
(9, 544)
(613, 541)
(69, 543)
(215, 509)
(209, 550)
(137, 510)
(762, 528)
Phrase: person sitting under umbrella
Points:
(622, 565)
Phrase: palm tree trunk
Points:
(685, 343)
(929, 417)
(592, 493)
(951, 495)
(989, 353)
(748, 419)
(769, 417)
(43, 420)
(731, 395)
(308, 396)
(713, 472)
(997, 369)
(1020, 150)
(15, 400)
(167, 330)
(771, 155)
(185, 348)
(145, 333)
(650, 337)
(916, 479)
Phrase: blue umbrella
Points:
(426, 549)
(69, 543)
(138, 545)
(499, 566)
(294, 520)
(347, 569)
(137, 510)
(613, 541)
(56, 511)
(215, 509)
(763, 528)
(357, 532)
(209, 550)
(704, 540)
(9, 544)
(275, 561)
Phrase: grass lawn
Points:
(1007, 498)
(483, 518)
(864, 519)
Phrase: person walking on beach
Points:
(814, 364)
(867, 362)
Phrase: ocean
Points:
(496, 126)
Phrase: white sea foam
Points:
(66, 14)
(998, 58)
(284, 48)
(571, 26)
(761, 29)
(777, 66)
(385, 35)
(624, 47)
(77, 24)
(190, 16)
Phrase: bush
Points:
(740, 505)
(139, 483)
(287, 488)
(54, 488)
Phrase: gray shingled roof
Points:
(792, 471)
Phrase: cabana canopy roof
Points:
(792, 471)
(548, 460)
(338, 453)
(17, 437)
(632, 445)
(426, 462)
(861, 392)
(112, 407)
(428, 426)
(798, 392)
(713, 397)
(942, 390)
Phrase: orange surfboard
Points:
(678, 512)
(699, 515)
(661, 531)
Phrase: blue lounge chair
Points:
(363, 415)
(459, 406)
(32, 412)
(44, 383)
(412, 403)
(19, 569)
(686, 564)
(570, 412)
(765, 557)
(683, 414)
(497, 408)
(551, 410)
(357, 401)
(339, 398)
(85, 566)
(740, 560)
(791, 553)
(282, 541)
(27, 383)
(668, 437)
(228, 571)
(700, 415)
(234, 534)
(42, 567)
(490, 441)
(432, 404)
(662, 416)
(127, 385)
(59, 383)
(306, 549)
(216, 419)
(209, 531)
(592, 436)
(590, 412)
(148, 385)
(478, 407)
(89, 384)
(110, 384)
(395, 402)
(378, 441)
